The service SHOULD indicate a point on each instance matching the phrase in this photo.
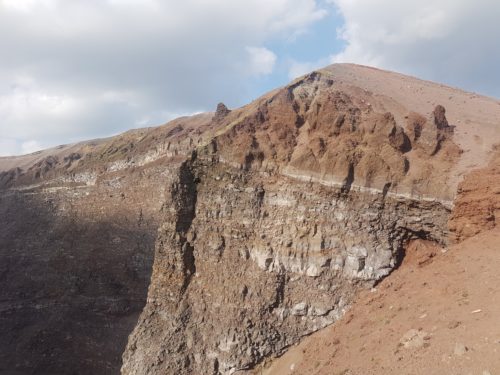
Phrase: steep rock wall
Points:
(75, 265)
(248, 262)
(272, 225)
(78, 225)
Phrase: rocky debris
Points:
(77, 235)
(8, 178)
(72, 157)
(295, 204)
(371, 333)
(41, 168)
(75, 265)
(301, 250)
(460, 349)
(299, 309)
(342, 143)
(414, 339)
(420, 252)
(132, 149)
(439, 118)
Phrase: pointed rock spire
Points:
(221, 112)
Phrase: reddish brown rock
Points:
(477, 206)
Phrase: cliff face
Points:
(263, 223)
(272, 227)
(75, 267)
(246, 265)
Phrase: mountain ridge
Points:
(345, 75)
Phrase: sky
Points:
(72, 70)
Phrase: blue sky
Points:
(312, 48)
(80, 69)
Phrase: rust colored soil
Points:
(437, 314)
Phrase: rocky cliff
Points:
(266, 220)
(274, 225)
(77, 231)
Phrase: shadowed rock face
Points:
(75, 267)
(263, 222)
(77, 234)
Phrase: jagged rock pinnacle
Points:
(221, 112)
(440, 120)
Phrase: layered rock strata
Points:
(246, 265)
(270, 228)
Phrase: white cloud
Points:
(261, 60)
(74, 69)
(27, 111)
(297, 68)
(8, 147)
(30, 146)
(24, 5)
(453, 41)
